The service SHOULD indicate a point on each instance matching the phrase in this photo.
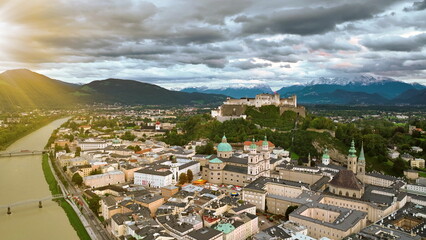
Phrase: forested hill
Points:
(131, 92)
(24, 89)
(282, 130)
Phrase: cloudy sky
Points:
(178, 43)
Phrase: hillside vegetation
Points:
(376, 135)
(23, 90)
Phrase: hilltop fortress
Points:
(235, 108)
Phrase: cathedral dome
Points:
(224, 146)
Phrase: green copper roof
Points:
(253, 144)
(352, 150)
(225, 227)
(361, 157)
(265, 142)
(325, 154)
(215, 160)
(224, 146)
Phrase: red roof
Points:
(210, 219)
(258, 143)
(144, 151)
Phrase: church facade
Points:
(227, 168)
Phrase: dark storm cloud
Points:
(309, 21)
(396, 43)
(221, 39)
(389, 62)
(417, 6)
(245, 65)
(197, 35)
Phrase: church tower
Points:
(253, 159)
(253, 147)
(266, 157)
(325, 157)
(361, 164)
(265, 148)
(352, 159)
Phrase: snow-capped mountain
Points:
(375, 90)
(363, 80)
(361, 89)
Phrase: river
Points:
(21, 178)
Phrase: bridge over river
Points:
(22, 153)
(30, 201)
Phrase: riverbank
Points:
(10, 135)
(54, 189)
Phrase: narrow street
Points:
(95, 224)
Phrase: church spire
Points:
(361, 158)
(352, 150)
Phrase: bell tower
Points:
(325, 157)
(352, 158)
(361, 164)
(253, 159)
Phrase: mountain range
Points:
(234, 92)
(360, 90)
(24, 89)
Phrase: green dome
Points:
(215, 160)
(265, 142)
(253, 144)
(224, 147)
(325, 155)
